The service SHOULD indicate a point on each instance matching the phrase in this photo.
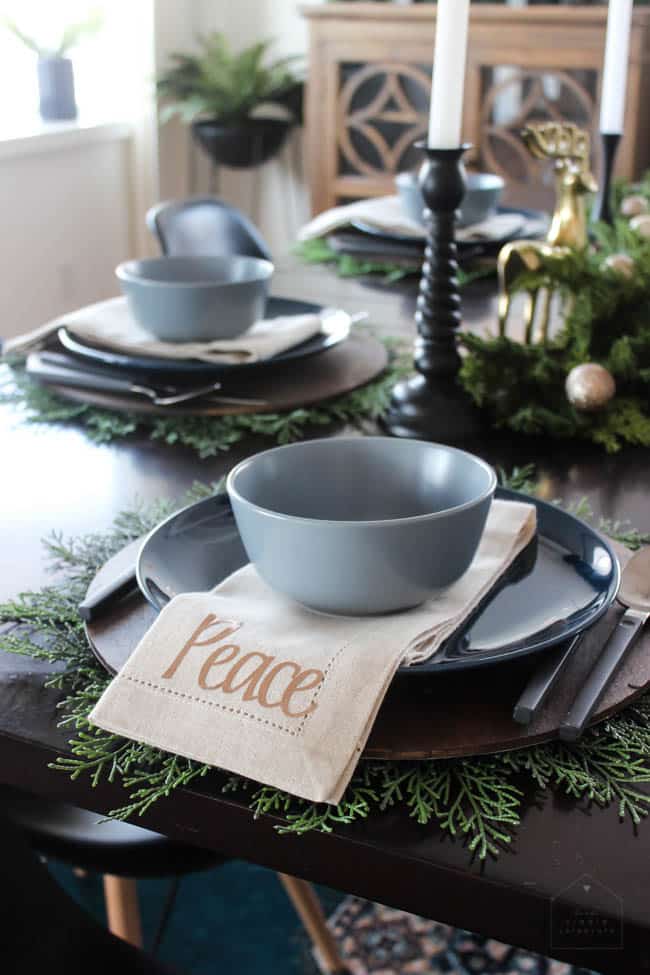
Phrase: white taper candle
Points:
(617, 53)
(446, 117)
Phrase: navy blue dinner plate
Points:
(336, 328)
(561, 584)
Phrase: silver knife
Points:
(634, 594)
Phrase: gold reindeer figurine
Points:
(569, 148)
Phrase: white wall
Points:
(274, 196)
(247, 21)
(73, 196)
(176, 28)
(65, 225)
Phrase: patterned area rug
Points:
(377, 940)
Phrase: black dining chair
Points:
(122, 852)
(44, 932)
(205, 227)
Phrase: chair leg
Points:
(308, 908)
(168, 907)
(122, 909)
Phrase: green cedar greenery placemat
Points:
(206, 435)
(347, 266)
(476, 799)
(390, 272)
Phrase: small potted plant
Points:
(241, 109)
(55, 73)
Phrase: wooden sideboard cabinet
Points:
(370, 81)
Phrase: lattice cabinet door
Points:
(381, 111)
(544, 64)
(367, 99)
(369, 87)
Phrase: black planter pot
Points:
(242, 145)
(56, 89)
(293, 99)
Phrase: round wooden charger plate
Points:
(438, 716)
(334, 372)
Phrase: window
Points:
(113, 68)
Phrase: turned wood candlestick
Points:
(432, 405)
(603, 205)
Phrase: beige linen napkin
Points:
(243, 679)
(385, 213)
(111, 325)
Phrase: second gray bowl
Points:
(364, 525)
(196, 299)
(482, 197)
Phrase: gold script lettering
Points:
(302, 680)
(306, 680)
(214, 660)
(194, 641)
(262, 675)
(229, 686)
(265, 686)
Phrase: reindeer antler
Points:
(556, 140)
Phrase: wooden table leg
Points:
(308, 907)
(122, 908)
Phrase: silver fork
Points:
(192, 394)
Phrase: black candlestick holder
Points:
(433, 405)
(603, 205)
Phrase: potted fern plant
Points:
(241, 107)
(55, 72)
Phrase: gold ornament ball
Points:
(590, 387)
(621, 264)
(641, 224)
(633, 206)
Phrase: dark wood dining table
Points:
(575, 883)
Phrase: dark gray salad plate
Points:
(561, 584)
(534, 223)
(336, 328)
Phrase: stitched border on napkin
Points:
(251, 686)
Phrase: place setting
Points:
(200, 336)
(405, 607)
(393, 228)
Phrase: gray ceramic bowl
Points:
(188, 299)
(483, 195)
(364, 525)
